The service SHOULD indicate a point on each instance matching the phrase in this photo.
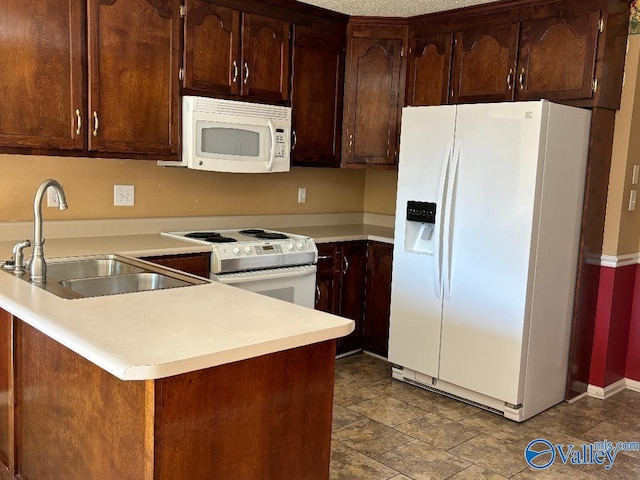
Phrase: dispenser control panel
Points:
(424, 212)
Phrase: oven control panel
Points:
(268, 249)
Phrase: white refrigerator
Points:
(488, 217)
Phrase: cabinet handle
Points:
(350, 142)
(96, 124)
(235, 72)
(246, 72)
(521, 80)
(325, 257)
(317, 294)
(295, 140)
(79, 122)
(510, 79)
(346, 265)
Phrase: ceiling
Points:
(392, 8)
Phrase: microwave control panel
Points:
(280, 143)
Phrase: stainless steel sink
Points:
(112, 285)
(90, 267)
(80, 277)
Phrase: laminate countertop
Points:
(155, 334)
(343, 233)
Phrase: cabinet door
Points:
(6, 391)
(378, 298)
(134, 60)
(211, 48)
(41, 74)
(372, 109)
(557, 57)
(429, 70)
(318, 83)
(265, 57)
(484, 64)
(352, 293)
(328, 278)
(327, 290)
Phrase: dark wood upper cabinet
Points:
(429, 69)
(374, 94)
(211, 48)
(265, 57)
(229, 53)
(318, 86)
(42, 74)
(485, 63)
(134, 60)
(557, 57)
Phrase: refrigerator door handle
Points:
(437, 249)
(448, 224)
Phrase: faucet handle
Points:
(18, 256)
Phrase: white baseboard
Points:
(633, 385)
(610, 390)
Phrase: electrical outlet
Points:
(123, 195)
(53, 200)
(302, 195)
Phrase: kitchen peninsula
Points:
(205, 381)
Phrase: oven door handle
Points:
(262, 275)
(272, 153)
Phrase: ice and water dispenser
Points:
(419, 235)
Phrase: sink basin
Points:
(90, 267)
(112, 285)
(80, 277)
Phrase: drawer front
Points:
(328, 257)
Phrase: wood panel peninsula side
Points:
(61, 416)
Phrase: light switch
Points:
(636, 173)
(632, 200)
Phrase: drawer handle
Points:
(325, 257)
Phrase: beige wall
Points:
(380, 191)
(622, 228)
(167, 192)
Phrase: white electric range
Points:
(277, 264)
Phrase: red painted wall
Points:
(633, 350)
(613, 324)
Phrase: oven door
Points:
(292, 284)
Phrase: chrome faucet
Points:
(38, 266)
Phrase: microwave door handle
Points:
(272, 153)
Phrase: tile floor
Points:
(385, 429)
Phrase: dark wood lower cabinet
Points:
(194, 263)
(354, 281)
(263, 418)
(375, 335)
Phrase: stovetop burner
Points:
(271, 236)
(212, 237)
(261, 234)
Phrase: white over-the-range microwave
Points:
(231, 136)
